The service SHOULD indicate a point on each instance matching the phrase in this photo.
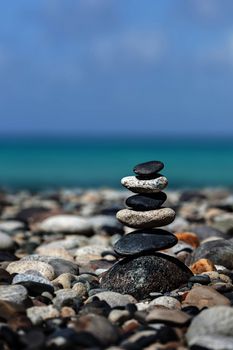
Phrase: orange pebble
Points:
(189, 238)
(67, 311)
(202, 265)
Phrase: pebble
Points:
(114, 299)
(204, 232)
(80, 289)
(22, 266)
(55, 252)
(90, 252)
(142, 275)
(66, 224)
(205, 296)
(220, 252)
(212, 342)
(67, 311)
(202, 265)
(142, 241)
(6, 242)
(64, 279)
(118, 316)
(59, 265)
(37, 314)
(34, 282)
(215, 323)
(10, 226)
(97, 326)
(146, 202)
(13, 293)
(63, 296)
(100, 222)
(150, 168)
(9, 310)
(171, 317)
(168, 302)
(189, 238)
(224, 223)
(202, 279)
(146, 219)
(144, 186)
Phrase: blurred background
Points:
(89, 88)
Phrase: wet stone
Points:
(142, 241)
(143, 202)
(148, 168)
(142, 275)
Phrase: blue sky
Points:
(116, 67)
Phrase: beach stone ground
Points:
(63, 286)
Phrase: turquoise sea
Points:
(37, 163)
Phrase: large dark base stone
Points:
(139, 276)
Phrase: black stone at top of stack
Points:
(148, 170)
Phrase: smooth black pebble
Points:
(142, 241)
(148, 169)
(145, 202)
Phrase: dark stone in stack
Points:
(142, 270)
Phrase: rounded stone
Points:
(146, 201)
(113, 299)
(168, 302)
(142, 275)
(34, 282)
(205, 296)
(16, 294)
(142, 241)
(22, 266)
(148, 168)
(220, 252)
(144, 186)
(37, 314)
(98, 327)
(59, 265)
(6, 242)
(168, 316)
(216, 321)
(146, 219)
(66, 224)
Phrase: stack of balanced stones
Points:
(143, 270)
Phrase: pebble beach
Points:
(56, 248)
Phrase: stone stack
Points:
(142, 270)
